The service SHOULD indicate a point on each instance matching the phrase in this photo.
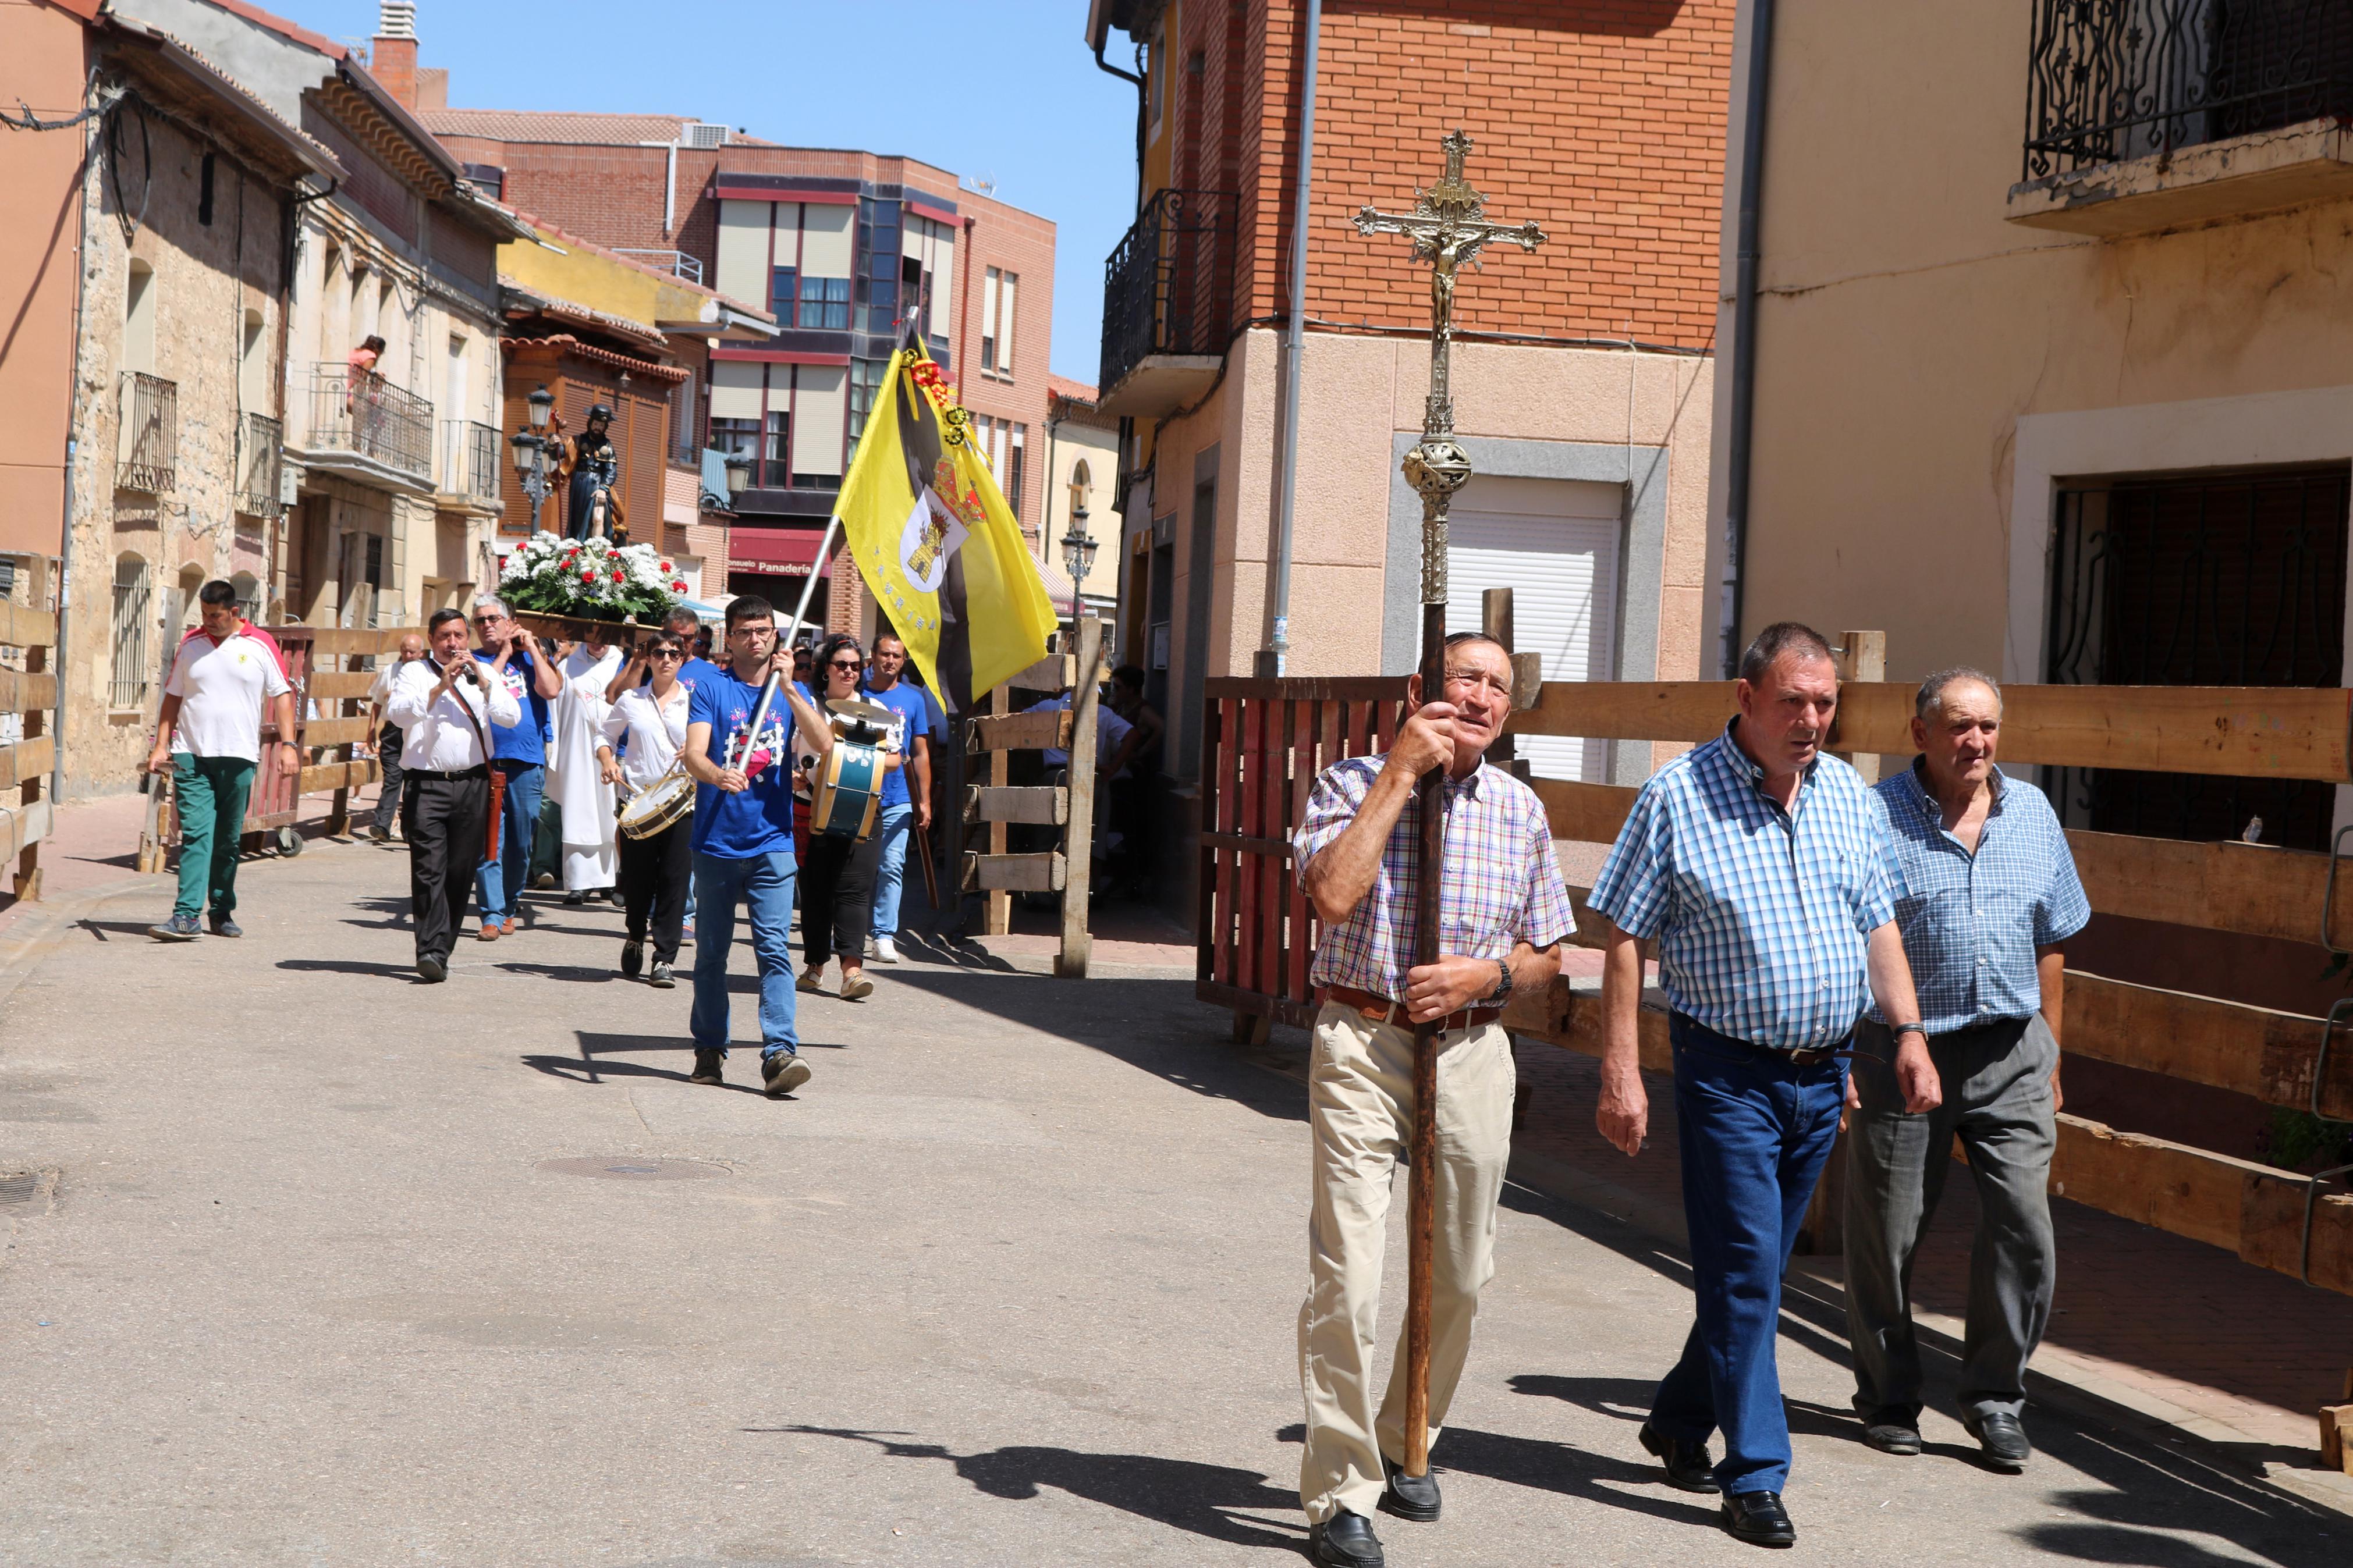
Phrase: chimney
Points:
(393, 58)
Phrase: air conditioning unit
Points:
(701, 134)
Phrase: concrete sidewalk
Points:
(311, 1264)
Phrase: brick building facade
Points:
(1582, 372)
(751, 219)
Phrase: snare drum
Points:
(849, 789)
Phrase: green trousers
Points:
(210, 793)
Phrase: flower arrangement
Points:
(549, 575)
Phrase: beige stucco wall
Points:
(1356, 394)
(1910, 340)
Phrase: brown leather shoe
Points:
(490, 931)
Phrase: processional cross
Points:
(1448, 227)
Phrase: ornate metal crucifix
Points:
(1448, 227)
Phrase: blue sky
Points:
(1002, 87)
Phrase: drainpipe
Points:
(1286, 435)
(1106, 66)
(1739, 443)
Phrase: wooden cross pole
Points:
(1448, 227)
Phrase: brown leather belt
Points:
(1381, 1010)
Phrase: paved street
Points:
(320, 1266)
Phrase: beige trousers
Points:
(1360, 1111)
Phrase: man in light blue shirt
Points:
(1985, 891)
(1757, 865)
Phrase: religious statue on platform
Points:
(591, 467)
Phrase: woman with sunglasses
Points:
(838, 896)
(654, 869)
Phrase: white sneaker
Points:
(882, 950)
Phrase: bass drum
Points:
(849, 789)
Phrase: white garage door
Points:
(1554, 543)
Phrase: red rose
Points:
(587, 573)
(679, 587)
(668, 567)
(619, 575)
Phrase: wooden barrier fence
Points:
(31, 693)
(991, 809)
(1264, 742)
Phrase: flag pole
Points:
(776, 671)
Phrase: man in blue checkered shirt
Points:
(1985, 891)
(1757, 865)
(1502, 910)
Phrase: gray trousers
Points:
(1997, 1089)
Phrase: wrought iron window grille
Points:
(1168, 287)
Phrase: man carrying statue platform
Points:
(1502, 911)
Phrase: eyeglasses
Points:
(1472, 679)
(850, 664)
(486, 620)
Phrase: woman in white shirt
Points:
(654, 869)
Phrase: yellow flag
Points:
(935, 543)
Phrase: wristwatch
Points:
(1502, 991)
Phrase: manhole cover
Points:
(633, 1169)
(21, 1189)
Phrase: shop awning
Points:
(779, 551)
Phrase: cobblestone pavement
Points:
(315, 1265)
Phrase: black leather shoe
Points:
(1408, 1497)
(1344, 1541)
(2001, 1436)
(1759, 1518)
(1688, 1466)
(1892, 1437)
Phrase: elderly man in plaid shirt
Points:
(1758, 866)
(1502, 911)
(1985, 891)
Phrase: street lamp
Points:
(739, 474)
(533, 467)
(1078, 555)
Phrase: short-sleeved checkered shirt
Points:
(1971, 922)
(1501, 886)
(1761, 916)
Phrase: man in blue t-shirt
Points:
(900, 808)
(519, 751)
(744, 840)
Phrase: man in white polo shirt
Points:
(209, 734)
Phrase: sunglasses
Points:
(845, 664)
(668, 653)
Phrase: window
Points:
(682, 443)
(1156, 78)
(139, 320)
(824, 304)
(248, 596)
(253, 366)
(879, 245)
(781, 294)
(779, 446)
(865, 380)
(1012, 469)
(736, 437)
(996, 292)
(878, 304)
(205, 191)
(133, 598)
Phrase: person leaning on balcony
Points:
(209, 734)
(1502, 911)
(1985, 891)
(360, 373)
(1758, 866)
(448, 705)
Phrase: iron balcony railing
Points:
(470, 459)
(677, 263)
(260, 459)
(358, 411)
(150, 456)
(2112, 79)
(1169, 289)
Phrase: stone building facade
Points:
(187, 203)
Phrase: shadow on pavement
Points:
(1201, 1500)
(1152, 1024)
(589, 1066)
(350, 966)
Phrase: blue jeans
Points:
(893, 825)
(764, 884)
(1755, 1132)
(499, 884)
